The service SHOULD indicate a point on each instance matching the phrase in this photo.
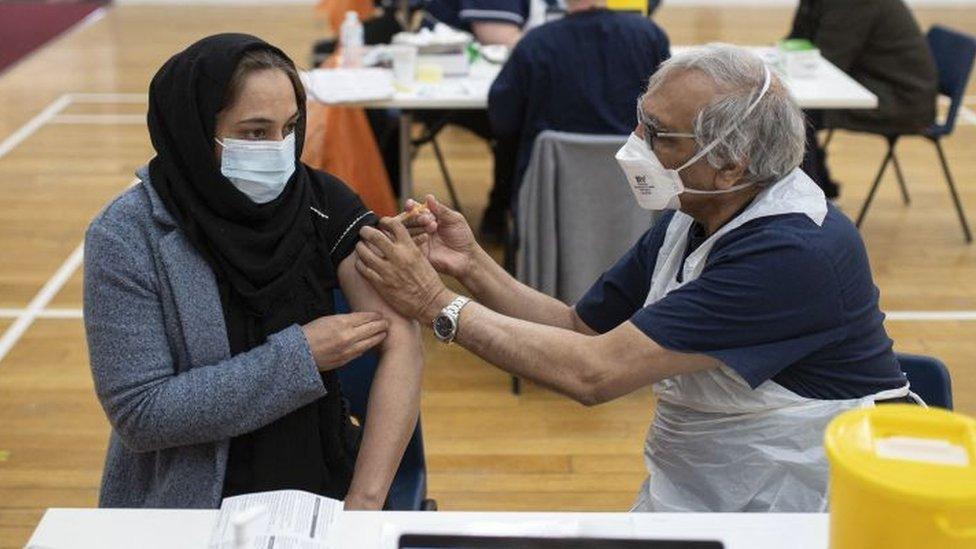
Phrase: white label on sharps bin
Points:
(925, 450)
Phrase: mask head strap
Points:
(762, 92)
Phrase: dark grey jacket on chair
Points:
(161, 360)
(576, 215)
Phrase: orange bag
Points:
(334, 11)
(338, 140)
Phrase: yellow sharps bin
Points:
(901, 477)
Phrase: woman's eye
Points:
(255, 134)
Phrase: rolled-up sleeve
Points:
(497, 11)
(148, 403)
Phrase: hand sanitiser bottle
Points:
(351, 40)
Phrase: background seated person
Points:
(879, 44)
(490, 21)
(582, 73)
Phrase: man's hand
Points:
(397, 269)
(335, 340)
(443, 234)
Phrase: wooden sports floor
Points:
(68, 145)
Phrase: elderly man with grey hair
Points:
(750, 309)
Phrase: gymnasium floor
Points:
(72, 132)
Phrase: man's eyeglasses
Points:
(651, 132)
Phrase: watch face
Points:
(443, 326)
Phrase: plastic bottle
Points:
(351, 40)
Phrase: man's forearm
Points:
(563, 360)
(491, 285)
(394, 404)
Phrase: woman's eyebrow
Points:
(263, 120)
(257, 120)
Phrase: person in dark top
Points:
(750, 310)
(248, 245)
(582, 73)
(490, 21)
(879, 44)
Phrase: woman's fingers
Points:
(357, 349)
(370, 329)
(359, 319)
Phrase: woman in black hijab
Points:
(228, 216)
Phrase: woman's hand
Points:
(337, 339)
(443, 235)
(388, 258)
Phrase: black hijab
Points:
(258, 249)
(270, 262)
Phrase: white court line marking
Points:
(40, 301)
(109, 97)
(34, 124)
(45, 314)
(37, 305)
(99, 119)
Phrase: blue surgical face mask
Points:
(259, 169)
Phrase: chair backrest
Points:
(409, 487)
(929, 379)
(954, 53)
(575, 215)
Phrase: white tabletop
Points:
(830, 88)
(151, 528)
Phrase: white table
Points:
(831, 88)
(150, 529)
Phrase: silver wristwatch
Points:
(446, 323)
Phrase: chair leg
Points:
(901, 179)
(952, 191)
(874, 188)
(516, 385)
(447, 176)
(826, 141)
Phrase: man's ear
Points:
(729, 176)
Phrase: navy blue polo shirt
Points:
(582, 73)
(461, 13)
(779, 298)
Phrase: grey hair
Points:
(770, 141)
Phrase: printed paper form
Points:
(294, 519)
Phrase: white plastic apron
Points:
(715, 443)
